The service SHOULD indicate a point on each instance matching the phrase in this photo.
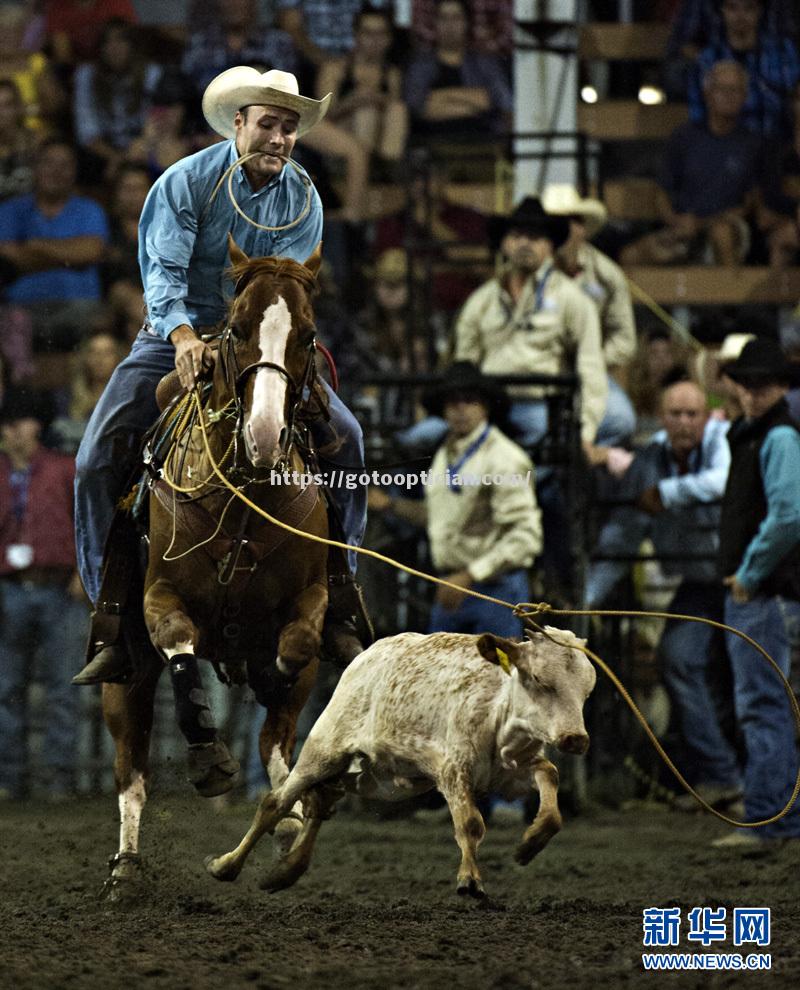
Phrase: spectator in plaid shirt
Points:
(235, 39)
(321, 29)
(772, 63)
(492, 24)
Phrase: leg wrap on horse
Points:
(192, 707)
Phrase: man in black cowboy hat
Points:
(533, 318)
(480, 509)
(760, 561)
(42, 604)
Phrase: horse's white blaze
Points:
(131, 802)
(266, 420)
(277, 769)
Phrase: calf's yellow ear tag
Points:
(505, 663)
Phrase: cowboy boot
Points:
(348, 628)
(107, 658)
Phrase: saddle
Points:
(115, 623)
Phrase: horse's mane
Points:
(245, 271)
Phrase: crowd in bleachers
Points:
(96, 102)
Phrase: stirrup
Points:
(348, 628)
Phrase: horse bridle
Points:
(236, 380)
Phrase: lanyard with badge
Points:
(526, 323)
(19, 555)
(454, 468)
(538, 303)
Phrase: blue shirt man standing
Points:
(760, 561)
(675, 485)
(183, 252)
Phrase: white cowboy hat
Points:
(563, 201)
(242, 86)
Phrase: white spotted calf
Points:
(466, 714)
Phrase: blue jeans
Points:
(762, 708)
(528, 418)
(687, 650)
(110, 448)
(43, 619)
(619, 421)
(476, 616)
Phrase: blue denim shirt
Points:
(689, 524)
(183, 238)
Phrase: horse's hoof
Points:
(470, 887)
(216, 866)
(124, 884)
(212, 769)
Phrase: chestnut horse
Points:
(220, 578)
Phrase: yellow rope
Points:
(678, 329)
(228, 174)
(184, 406)
(536, 609)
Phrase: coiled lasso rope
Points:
(526, 611)
(228, 174)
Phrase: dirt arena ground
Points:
(378, 908)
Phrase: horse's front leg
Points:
(128, 714)
(301, 637)
(211, 767)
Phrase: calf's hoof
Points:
(285, 833)
(211, 769)
(282, 875)
(470, 887)
(220, 869)
(124, 883)
(535, 840)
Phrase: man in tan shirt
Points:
(604, 282)
(480, 508)
(534, 318)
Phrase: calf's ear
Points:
(498, 650)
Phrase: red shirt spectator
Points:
(75, 26)
(36, 485)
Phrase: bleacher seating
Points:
(644, 42)
(629, 120)
(709, 285)
(631, 198)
